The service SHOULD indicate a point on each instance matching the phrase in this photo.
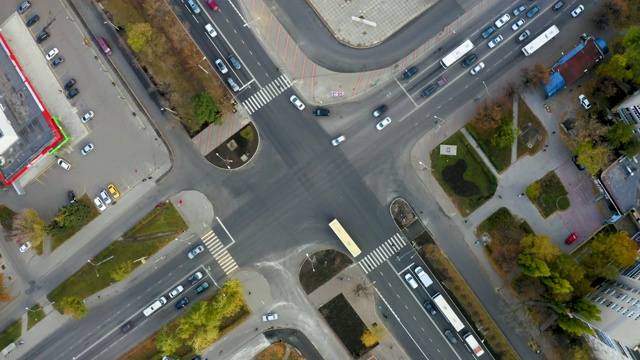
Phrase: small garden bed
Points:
(11, 333)
(464, 177)
(327, 264)
(346, 324)
(548, 194)
(58, 240)
(533, 135)
(35, 315)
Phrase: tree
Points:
(632, 148)
(139, 35)
(573, 325)
(539, 246)
(506, 134)
(534, 190)
(567, 268)
(610, 13)
(489, 116)
(362, 290)
(167, 341)
(378, 331)
(606, 254)
(616, 68)
(74, 306)
(73, 215)
(27, 226)
(586, 309)
(620, 133)
(206, 109)
(532, 266)
(536, 76)
(4, 292)
(605, 85)
(368, 339)
(122, 271)
(556, 284)
(593, 157)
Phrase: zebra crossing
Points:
(266, 94)
(382, 253)
(220, 253)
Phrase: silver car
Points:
(193, 253)
(382, 124)
(87, 149)
(221, 66)
(337, 141)
(496, 40)
(477, 69)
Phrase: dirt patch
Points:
(326, 263)
(346, 324)
(402, 213)
(454, 176)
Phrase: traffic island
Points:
(237, 150)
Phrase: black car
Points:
(127, 327)
(469, 60)
(34, 19)
(204, 286)
(72, 197)
(57, 61)
(488, 32)
(42, 37)
(409, 72)
(428, 91)
(321, 112)
(427, 305)
(71, 94)
(578, 165)
(379, 111)
(69, 84)
(452, 338)
(182, 303)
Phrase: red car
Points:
(571, 238)
(213, 5)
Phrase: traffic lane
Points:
(419, 336)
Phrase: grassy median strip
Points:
(160, 226)
(11, 333)
(35, 314)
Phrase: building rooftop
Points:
(578, 61)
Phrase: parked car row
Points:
(104, 198)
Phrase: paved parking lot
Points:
(126, 147)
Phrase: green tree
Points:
(74, 306)
(532, 266)
(139, 35)
(534, 190)
(574, 325)
(556, 284)
(619, 134)
(167, 341)
(616, 68)
(632, 148)
(122, 271)
(506, 134)
(73, 215)
(605, 254)
(204, 338)
(27, 226)
(206, 109)
(368, 339)
(567, 268)
(586, 309)
(539, 246)
(593, 157)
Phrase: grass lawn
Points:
(56, 241)
(530, 127)
(171, 62)
(468, 303)
(500, 158)
(553, 195)
(505, 232)
(6, 218)
(162, 219)
(36, 314)
(464, 177)
(10, 334)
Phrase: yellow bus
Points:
(341, 233)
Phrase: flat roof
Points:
(578, 61)
(27, 129)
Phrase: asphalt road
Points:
(299, 182)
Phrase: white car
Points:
(210, 30)
(477, 69)
(86, 149)
(221, 66)
(64, 164)
(270, 317)
(105, 197)
(24, 247)
(411, 281)
(503, 20)
(295, 101)
(517, 25)
(496, 40)
(577, 11)
(195, 252)
(99, 204)
(584, 101)
(338, 140)
(176, 291)
(86, 117)
(51, 54)
(382, 124)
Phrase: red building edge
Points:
(57, 134)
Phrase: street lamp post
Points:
(100, 263)
(311, 261)
(34, 311)
(487, 89)
(228, 167)
(214, 281)
(169, 110)
(112, 24)
(421, 163)
(201, 68)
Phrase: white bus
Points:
(537, 43)
(456, 54)
(341, 233)
(448, 313)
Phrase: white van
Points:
(412, 282)
(473, 344)
(155, 306)
(424, 278)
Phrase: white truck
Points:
(424, 278)
(155, 306)
(473, 344)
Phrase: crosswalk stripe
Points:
(382, 253)
(219, 252)
(267, 93)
